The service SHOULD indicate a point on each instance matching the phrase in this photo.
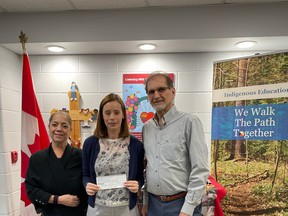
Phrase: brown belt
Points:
(168, 198)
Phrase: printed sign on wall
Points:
(137, 105)
(249, 132)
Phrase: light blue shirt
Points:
(177, 157)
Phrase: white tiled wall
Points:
(10, 126)
(96, 76)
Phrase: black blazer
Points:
(47, 175)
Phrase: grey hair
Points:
(169, 81)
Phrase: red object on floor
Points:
(220, 192)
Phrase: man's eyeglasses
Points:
(159, 90)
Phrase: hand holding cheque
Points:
(111, 182)
(112, 150)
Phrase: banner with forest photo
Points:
(250, 133)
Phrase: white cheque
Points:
(111, 181)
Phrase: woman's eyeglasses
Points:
(159, 90)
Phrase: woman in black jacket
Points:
(54, 176)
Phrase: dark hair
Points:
(101, 129)
(69, 120)
(169, 81)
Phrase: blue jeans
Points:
(157, 207)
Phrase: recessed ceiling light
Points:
(245, 44)
(147, 46)
(55, 48)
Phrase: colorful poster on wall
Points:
(138, 107)
(249, 133)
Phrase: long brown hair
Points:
(101, 129)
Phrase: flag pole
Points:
(34, 135)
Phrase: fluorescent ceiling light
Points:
(245, 44)
(147, 46)
(55, 48)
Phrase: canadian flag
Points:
(34, 136)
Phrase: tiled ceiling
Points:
(11, 8)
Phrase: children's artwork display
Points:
(138, 107)
(81, 118)
(249, 132)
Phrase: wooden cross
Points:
(76, 115)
